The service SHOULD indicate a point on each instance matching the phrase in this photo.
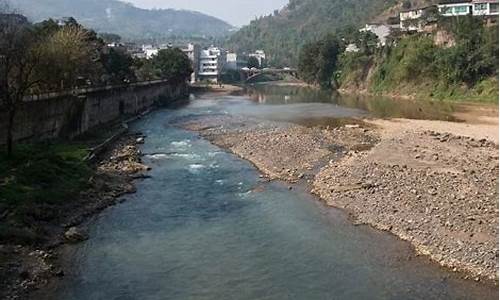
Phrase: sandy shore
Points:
(432, 183)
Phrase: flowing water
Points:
(205, 226)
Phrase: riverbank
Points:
(33, 233)
(432, 183)
(213, 88)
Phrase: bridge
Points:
(251, 75)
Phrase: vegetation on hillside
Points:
(414, 64)
(283, 34)
(125, 19)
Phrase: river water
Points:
(205, 226)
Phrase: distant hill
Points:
(282, 34)
(125, 19)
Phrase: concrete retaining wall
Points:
(69, 114)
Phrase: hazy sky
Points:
(236, 12)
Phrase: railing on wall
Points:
(88, 90)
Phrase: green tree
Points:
(67, 57)
(173, 65)
(318, 61)
(145, 70)
(253, 62)
(475, 54)
(118, 65)
(327, 61)
(308, 62)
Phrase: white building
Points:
(193, 53)
(467, 7)
(352, 48)
(485, 7)
(212, 61)
(455, 8)
(232, 61)
(150, 50)
(410, 19)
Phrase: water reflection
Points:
(377, 106)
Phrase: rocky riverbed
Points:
(24, 268)
(424, 182)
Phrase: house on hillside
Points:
(416, 19)
(485, 7)
(449, 8)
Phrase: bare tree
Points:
(18, 59)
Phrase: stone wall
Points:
(69, 114)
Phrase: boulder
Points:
(75, 235)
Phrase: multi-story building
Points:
(212, 62)
(150, 50)
(193, 53)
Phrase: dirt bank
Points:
(432, 183)
(27, 267)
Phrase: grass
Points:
(38, 179)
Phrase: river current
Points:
(205, 226)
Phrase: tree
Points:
(307, 62)
(253, 62)
(318, 61)
(145, 70)
(329, 50)
(118, 64)
(18, 60)
(173, 65)
(70, 54)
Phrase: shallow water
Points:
(206, 227)
(318, 103)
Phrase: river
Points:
(206, 226)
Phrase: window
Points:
(461, 9)
(493, 7)
(480, 6)
(446, 10)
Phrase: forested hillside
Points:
(125, 19)
(456, 61)
(283, 34)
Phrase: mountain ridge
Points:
(125, 19)
(282, 35)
